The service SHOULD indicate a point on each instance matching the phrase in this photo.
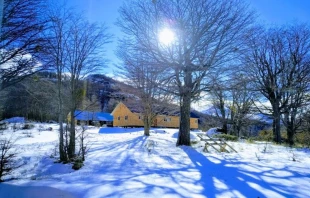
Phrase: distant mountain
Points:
(261, 117)
(213, 111)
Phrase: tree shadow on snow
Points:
(111, 130)
(11, 191)
(130, 175)
(128, 170)
(48, 169)
(227, 177)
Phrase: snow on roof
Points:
(95, 116)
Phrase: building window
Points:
(167, 119)
(126, 117)
(119, 117)
(140, 117)
(196, 121)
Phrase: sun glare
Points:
(166, 36)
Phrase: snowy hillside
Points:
(119, 165)
(213, 111)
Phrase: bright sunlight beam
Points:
(166, 36)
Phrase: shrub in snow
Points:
(150, 145)
(303, 138)
(223, 148)
(15, 127)
(227, 137)
(3, 125)
(194, 142)
(78, 163)
(292, 155)
(265, 147)
(265, 135)
(8, 163)
(250, 140)
(28, 126)
(55, 151)
(257, 156)
(83, 142)
(28, 134)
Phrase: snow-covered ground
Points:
(119, 165)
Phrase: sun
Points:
(166, 36)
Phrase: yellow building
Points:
(124, 117)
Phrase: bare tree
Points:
(232, 99)
(55, 55)
(75, 49)
(85, 56)
(297, 76)
(241, 104)
(278, 60)
(207, 35)
(305, 128)
(84, 144)
(20, 40)
(220, 96)
(144, 76)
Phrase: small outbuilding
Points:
(93, 118)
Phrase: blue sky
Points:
(272, 12)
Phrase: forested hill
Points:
(34, 97)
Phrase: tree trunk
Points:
(238, 128)
(184, 129)
(71, 149)
(224, 127)
(290, 129)
(147, 125)
(223, 113)
(276, 123)
(147, 117)
(62, 152)
(290, 135)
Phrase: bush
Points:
(28, 134)
(193, 142)
(78, 163)
(303, 138)
(28, 126)
(227, 137)
(265, 135)
(15, 127)
(3, 125)
(8, 161)
(251, 139)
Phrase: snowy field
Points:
(119, 165)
